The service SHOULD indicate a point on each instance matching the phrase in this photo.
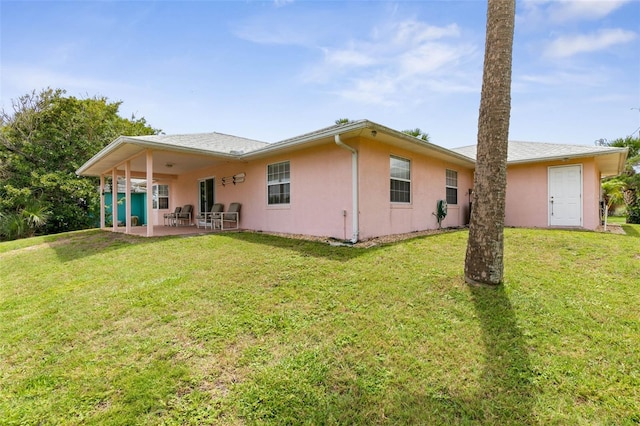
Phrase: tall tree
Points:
(484, 263)
(43, 140)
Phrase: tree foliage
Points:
(628, 184)
(44, 139)
(417, 133)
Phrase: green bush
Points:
(44, 139)
(634, 214)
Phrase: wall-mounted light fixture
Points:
(238, 178)
(374, 133)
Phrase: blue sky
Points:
(270, 70)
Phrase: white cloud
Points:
(18, 80)
(566, 46)
(580, 77)
(27, 78)
(428, 58)
(564, 11)
(349, 57)
(542, 12)
(377, 89)
(415, 32)
(284, 27)
(394, 62)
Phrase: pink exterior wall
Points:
(321, 192)
(591, 194)
(527, 202)
(378, 216)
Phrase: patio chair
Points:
(185, 215)
(169, 218)
(230, 217)
(207, 218)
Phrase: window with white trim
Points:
(278, 183)
(160, 194)
(452, 187)
(400, 186)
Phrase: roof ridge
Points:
(173, 135)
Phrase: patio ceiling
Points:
(170, 163)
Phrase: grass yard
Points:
(620, 220)
(242, 328)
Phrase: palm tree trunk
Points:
(484, 259)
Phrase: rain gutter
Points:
(354, 186)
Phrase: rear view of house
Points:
(353, 181)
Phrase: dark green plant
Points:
(25, 222)
(11, 226)
(629, 181)
(633, 214)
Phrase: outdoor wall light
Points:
(374, 133)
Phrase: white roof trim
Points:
(237, 148)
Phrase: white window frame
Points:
(156, 196)
(393, 178)
(279, 178)
(450, 184)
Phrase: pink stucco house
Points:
(353, 181)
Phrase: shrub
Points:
(634, 214)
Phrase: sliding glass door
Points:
(207, 194)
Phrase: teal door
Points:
(138, 207)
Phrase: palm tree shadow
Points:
(507, 379)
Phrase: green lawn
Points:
(619, 220)
(243, 328)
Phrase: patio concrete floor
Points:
(162, 231)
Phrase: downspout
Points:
(354, 183)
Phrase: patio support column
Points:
(114, 199)
(149, 193)
(102, 218)
(127, 195)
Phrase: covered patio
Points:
(161, 159)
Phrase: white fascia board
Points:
(572, 156)
(353, 127)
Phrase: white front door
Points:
(565, 196)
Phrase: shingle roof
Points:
(213, 142)
(235, 147)
(538, 151)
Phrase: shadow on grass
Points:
(320, 248)
(631, 230)
(507, 378)
(304, 247)
(504, 390)
(81, 244)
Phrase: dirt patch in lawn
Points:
(611, 229)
